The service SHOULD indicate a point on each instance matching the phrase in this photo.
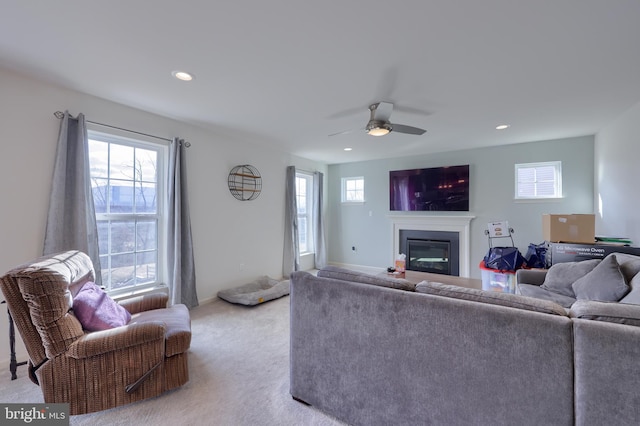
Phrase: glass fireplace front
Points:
(429, 256)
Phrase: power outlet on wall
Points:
(241, 267)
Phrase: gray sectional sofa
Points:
(612, 279)
(376, 351)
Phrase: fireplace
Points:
(431, 251)
(457, 224)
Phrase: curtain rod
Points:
(60, 115)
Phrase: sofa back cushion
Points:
(360, 277)
(44, 285)
(633, 297)
(629, 264)
(538, 292)
(491, 297)
(618, 313)
(630, 267)
(561, 276)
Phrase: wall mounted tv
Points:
(433, 189)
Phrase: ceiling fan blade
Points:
(401, 128)
(346, 113)
(344, 132)
(383, 111)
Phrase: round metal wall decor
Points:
(245, 182)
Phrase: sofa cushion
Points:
(604, 283)
(491, 297)
(44, 285)
(97, 311)
(531, 290)
(629, 265)
(618, 313)
(561, 276)
(633, 297)
(360, 277)
(177, 323)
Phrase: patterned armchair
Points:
(93, 371)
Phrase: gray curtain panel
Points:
(180, 259)
(71, 220)
(320, 255)
(291, 255)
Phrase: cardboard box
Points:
(571, 252)
(569, 228)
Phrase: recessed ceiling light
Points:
(181, 75)
(348, 149)
(503, 126)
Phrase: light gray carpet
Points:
(239, 375)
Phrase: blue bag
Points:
(504, 258)
(536, 256)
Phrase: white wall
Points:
(226, 232)
(616, 172)
(367, 226)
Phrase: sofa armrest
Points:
(618, 313)
(101, 342)
(531, 276)
(145, 302)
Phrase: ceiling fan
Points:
(379, 124)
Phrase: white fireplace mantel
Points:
(459, 224)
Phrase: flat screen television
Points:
(433, 189)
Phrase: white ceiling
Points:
(288, 73)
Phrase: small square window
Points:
(353, 190)
(539, 180)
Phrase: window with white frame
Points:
(127, 180)
(353, 189)
(304, 200)
(539, 180)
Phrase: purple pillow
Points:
(97, 311)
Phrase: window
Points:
(353, 190)
(127, 180)
(304, 200)
(539, 180)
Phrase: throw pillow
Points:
(633, 297)
(97, 311)
(629, 265)
(605, 283)
(561, 276)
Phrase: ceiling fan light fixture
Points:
(182, 75)
(377, 128)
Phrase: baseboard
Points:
(302, 401)
(209, 300)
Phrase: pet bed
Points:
(261, 290)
